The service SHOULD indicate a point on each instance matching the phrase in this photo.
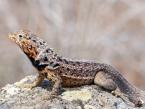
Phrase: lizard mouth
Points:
(13, 38)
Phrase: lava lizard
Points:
(68, 73)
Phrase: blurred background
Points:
(106, 31)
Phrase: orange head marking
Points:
(28, 42)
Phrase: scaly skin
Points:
(68, 73)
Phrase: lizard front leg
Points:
(56, 79)
(35, 83)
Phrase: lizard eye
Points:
(20, 36)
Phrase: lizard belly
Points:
(71, 81)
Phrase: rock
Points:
(85, 97)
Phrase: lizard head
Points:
(30, 44)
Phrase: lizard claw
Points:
(51, 96)
(139, 103)
(138, 99)
(141, 100)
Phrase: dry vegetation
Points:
(109, 31)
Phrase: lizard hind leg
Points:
(102, 79)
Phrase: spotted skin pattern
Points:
(69, 73)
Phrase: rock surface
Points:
(85, 97)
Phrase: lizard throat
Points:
(30, 51)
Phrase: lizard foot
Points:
(139, 103)
(118, 93)
(138, 98)
(51, 96)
